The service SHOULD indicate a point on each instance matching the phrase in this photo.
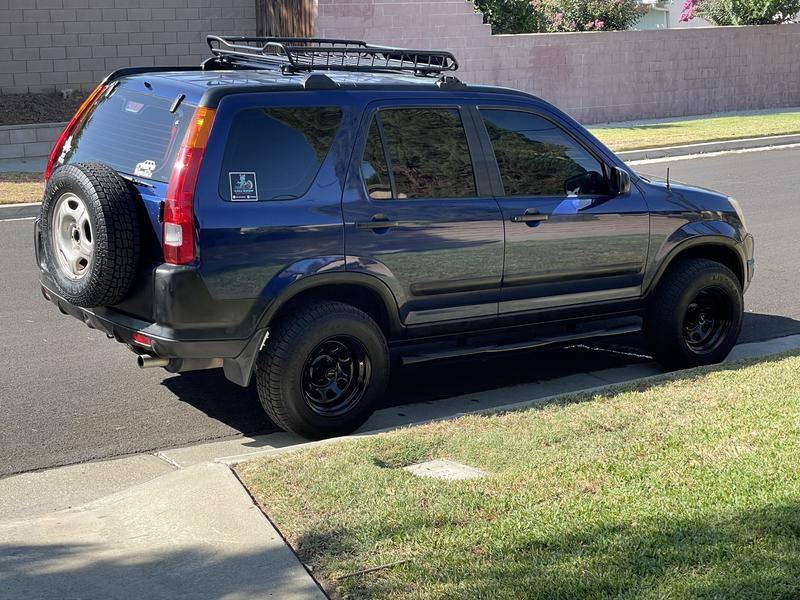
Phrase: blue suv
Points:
(311, 211)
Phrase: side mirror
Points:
(620, 181)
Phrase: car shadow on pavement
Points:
(240, 409)
(759, 327)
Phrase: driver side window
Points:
(536, 158)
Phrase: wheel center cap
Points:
(75, 234)
(330, 373)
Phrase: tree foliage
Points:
(741, 12)
(548, 16)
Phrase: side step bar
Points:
(457, 352)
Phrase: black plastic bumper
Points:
(238, 355)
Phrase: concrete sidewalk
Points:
(192, 533)
(178, 524)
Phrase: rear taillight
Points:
(179, 242)
(87, 104)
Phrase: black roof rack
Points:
(294, 55)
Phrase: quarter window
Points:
(374, 168)
(537, 158)
(428, 154)
(283, 147)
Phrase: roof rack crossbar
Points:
(293, 55)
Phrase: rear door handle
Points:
(378, 222)
(531, 216)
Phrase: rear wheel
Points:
(323, 370)
(695, 314)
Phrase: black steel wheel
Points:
(336, 375)
(694, 316)
(323, 370)
(707, 320)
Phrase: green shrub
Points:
(510, 16)
(548, 16)
(588, 15)
(741, 12)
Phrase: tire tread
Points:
(279, 348)
(662, 343)
(117, 233)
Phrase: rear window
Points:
(133, 132)
(275, 153)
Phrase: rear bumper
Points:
(237, 355)
(179, 331)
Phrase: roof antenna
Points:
(668, 187)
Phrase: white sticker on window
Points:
(65, 150)
(145, 169)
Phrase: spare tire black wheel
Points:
(90, 230)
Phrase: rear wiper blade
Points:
(136, 181)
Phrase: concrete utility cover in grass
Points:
(445, 469)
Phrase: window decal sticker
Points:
(243, 185)
(145, 169)
(134, 107)
(65, 150)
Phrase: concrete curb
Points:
(703, 148)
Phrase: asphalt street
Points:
(69, 395)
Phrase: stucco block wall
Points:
(55, 44)
(596, 77)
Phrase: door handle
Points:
(531, 216)
(377, 223)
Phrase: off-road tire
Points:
(115, 224)
(667, 310)
(284, 359)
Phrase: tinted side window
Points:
(537, 158)
(373, 166)
(428, 153)
(278, 151)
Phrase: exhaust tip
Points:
(148, 362)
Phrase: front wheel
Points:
(323, 370)
(695, 315)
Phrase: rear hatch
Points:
(137, 132)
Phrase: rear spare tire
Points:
(90, 232)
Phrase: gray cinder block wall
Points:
(48, 45)
(596, 77)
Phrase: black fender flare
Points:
(322, 280)
(696, 241)
(239, 370)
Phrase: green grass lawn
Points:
(684, 488)
(692, 131)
